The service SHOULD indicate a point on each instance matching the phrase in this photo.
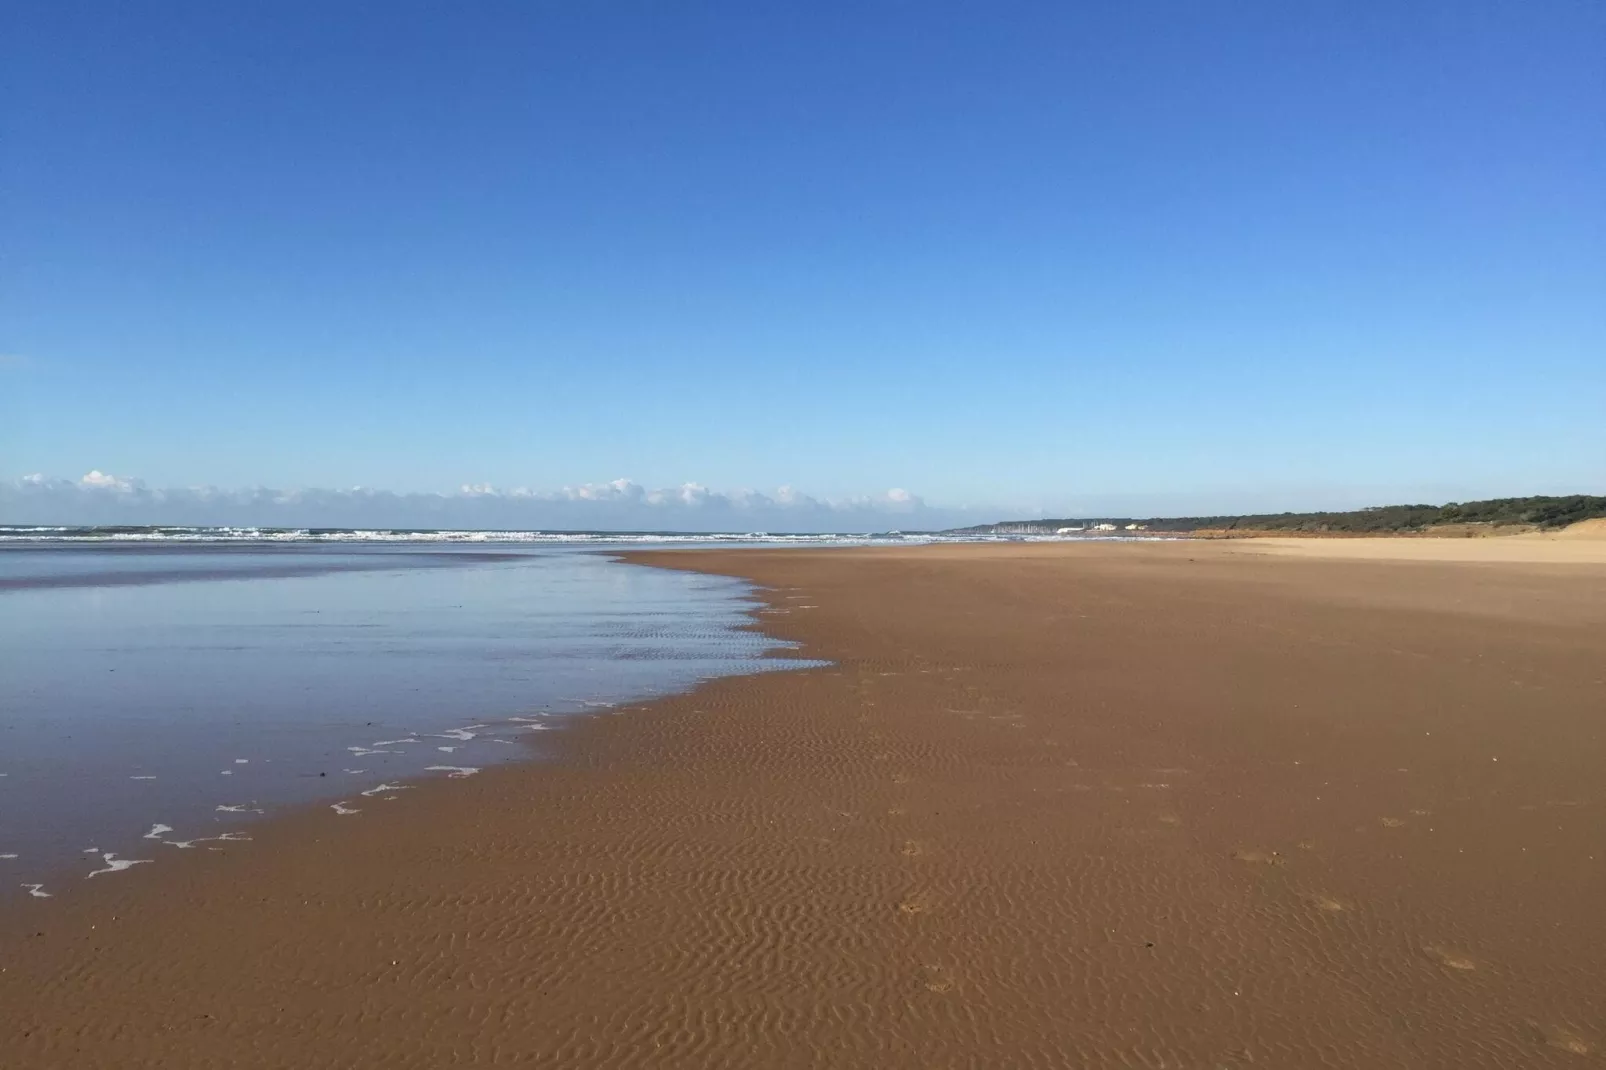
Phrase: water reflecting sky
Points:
(155, 685)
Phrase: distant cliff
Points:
(1496, 516)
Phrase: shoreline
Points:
(149, 722)
(949, 847)
(540, 749)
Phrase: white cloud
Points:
(616, 491)
(98, 480)
(694, 495)
(791, 496)
(620, 504)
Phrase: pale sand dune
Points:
(1580, 544)
(1584, 529)
(1053, 806)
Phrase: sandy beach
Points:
(1176, 804)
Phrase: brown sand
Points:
(1171, 805)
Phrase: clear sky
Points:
(1056, 257)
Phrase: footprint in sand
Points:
(917, 903)
(937, 979)
(1561, 1038)
(901, 778)
(1449, 958)
(1170, 819)
(1257, 857)
(896, 811)
(912, 849)
(1391, 822)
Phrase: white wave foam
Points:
(401, 535)
(115, 864)
(225, 837)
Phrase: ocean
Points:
(162, 689)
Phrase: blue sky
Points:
(1014, 257)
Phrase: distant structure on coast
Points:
(1055, 527)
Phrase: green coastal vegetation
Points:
(1496, 516)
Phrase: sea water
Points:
(160, 691)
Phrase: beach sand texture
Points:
(1097, 805)
(1583, 543)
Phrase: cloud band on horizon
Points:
(99, 498)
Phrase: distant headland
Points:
(1497, 516)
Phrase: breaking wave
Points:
(158, 533)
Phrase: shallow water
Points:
(152, 696)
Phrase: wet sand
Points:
(1166, 804)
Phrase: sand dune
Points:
(1180, 805)
(1584, 529)
(1582, 543)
